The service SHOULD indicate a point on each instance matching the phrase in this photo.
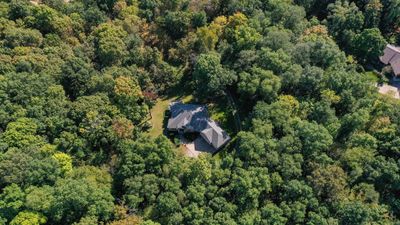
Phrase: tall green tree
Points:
(369, 45)
(210, 77)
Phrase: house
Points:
(391, 55)
(193, 118)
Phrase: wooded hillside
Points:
(78, 79)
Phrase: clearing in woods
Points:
(158, 119)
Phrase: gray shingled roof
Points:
(194, 118)
(214, 135)
(391, 55)
(187, 116)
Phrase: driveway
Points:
(194, 148)
(392, 89)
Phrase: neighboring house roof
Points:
(391, 55)
(194, 118)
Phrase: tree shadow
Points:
(165, 123)
(179, 91)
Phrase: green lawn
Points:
(157, 117)
(372, 76)
(158, 112)
(222, 112)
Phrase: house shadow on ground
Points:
(165, 123)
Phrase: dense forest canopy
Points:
(318, 145)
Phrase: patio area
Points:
(195, 148)
(392, 89)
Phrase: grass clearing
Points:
(219, 110)
(158, 119)
(222, 112)
(372, 76)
